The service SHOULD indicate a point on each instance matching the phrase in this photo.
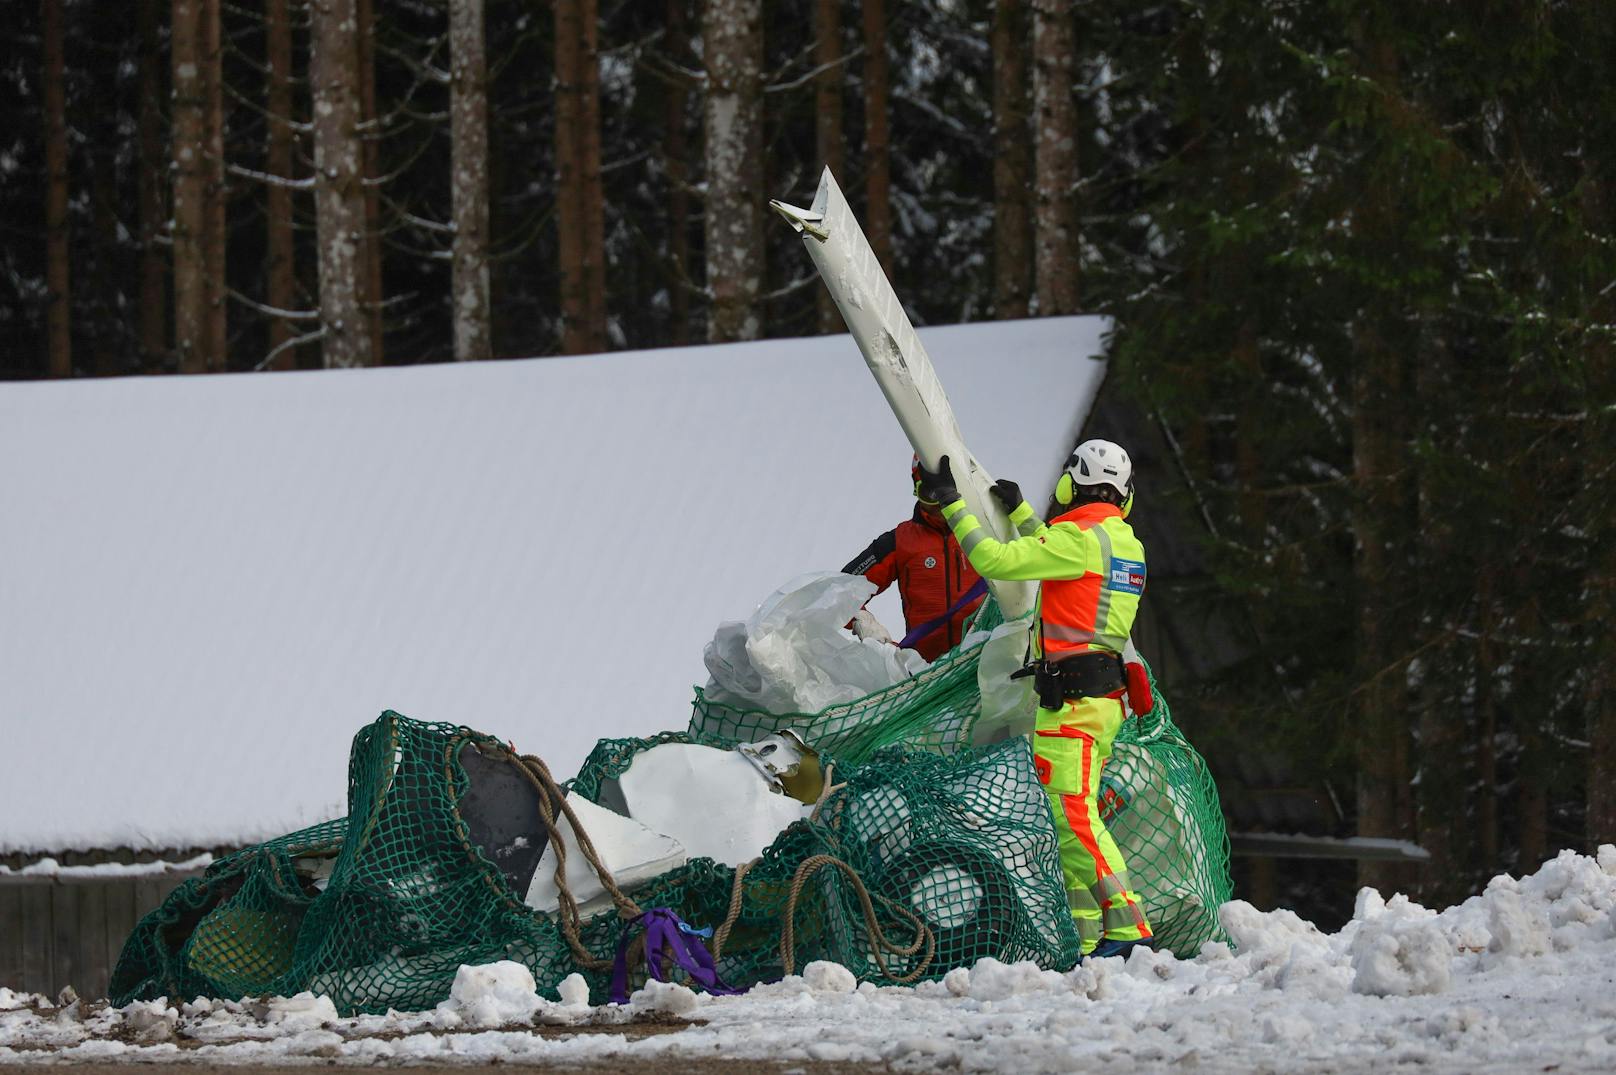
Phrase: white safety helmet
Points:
(1096, 462)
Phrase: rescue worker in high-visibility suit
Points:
(1091, 573)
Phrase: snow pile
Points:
(10, 999)
(1400, 948)
(669, 997)
(305, 1011)
(1520, 977)
(794, 655)
(497, 994)
(505, 994)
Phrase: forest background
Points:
(1361, 259)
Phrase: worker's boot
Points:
(1111, 946)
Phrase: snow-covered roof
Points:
(207, 584)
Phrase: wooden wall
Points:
(55, 933)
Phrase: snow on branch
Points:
(422, 69)
(253, 106)
(272, 311)
(948, 122)
(806, 280)
(808, 76)
(295, 341)
(270, 180)
(414, 220)
(672, 73)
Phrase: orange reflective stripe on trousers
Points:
(1071, 746)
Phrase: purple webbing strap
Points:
(664, 930)
(929, 626)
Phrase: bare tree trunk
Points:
(1600, 695)
(594, 188)
(1487, 726)
(732, 31)
(339, 197)
(218, 193)
(58, 312)
(105, 356)
(675, 149)
(1444, 809)
(1055, 127)
(828, 119)
(152, 212)
(877, 141)
(1601, 689)
(370, 143)
(280, 267)
(569, 222)
(468, 119)
(1012, 163)
(580, 211)
(1381, 718)
(1532, 801)
(197, 280)
(1379, 521)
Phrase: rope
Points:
(721, 934)
(570, 921)
(826, 791)
(878, 938)
(567, 915)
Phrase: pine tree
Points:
(199, 186)
(468, 112)
(828, 119)
(346, 338)
(1055, 239)
(1012, 163)
(280, 269)
(59, 361)
(732, 35)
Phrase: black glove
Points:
(938, 488)
(1007, 493)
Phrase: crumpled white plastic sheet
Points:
(794, 655)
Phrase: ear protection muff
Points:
(1066, 489)
(914, 472)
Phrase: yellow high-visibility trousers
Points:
(1070, 747)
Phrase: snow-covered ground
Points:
(210, 583)
(1519, 978)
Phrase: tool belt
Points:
(1087, 675)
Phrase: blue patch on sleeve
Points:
(1127, 576)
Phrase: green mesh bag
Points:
(379, 911)
(935, 853)
(1157, 795)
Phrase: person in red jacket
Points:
(939, 588)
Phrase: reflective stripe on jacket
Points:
(1091, 567)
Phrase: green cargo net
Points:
(933, 855)
(1157, 795)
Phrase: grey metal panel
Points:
(65, 958)
(1361, 848)
(55, 933)
(121, 919)
(39, 939)
(148, 894)
(11, 938)
(90, 942)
